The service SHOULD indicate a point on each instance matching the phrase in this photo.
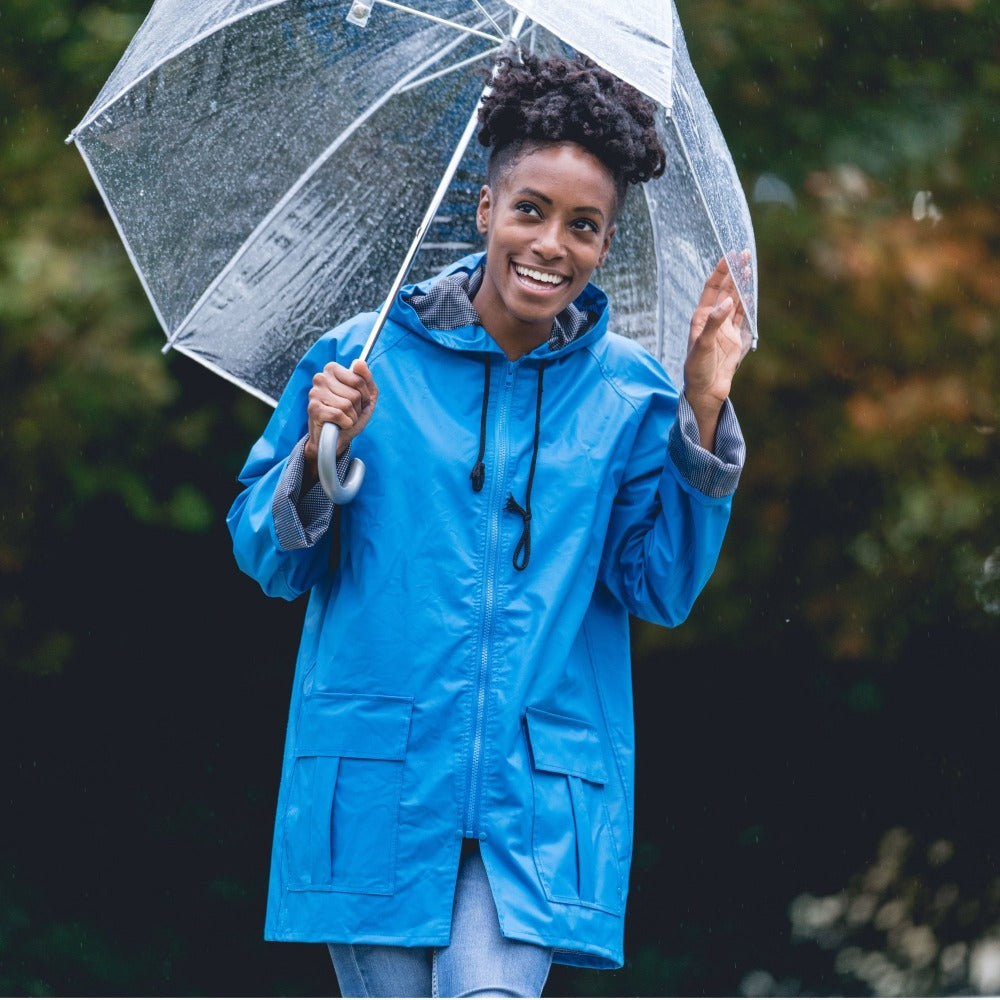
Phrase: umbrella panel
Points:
(334, 247)
(199, 150)
(632, 39)
(267, 187)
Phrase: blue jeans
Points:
(479, 961)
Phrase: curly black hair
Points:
(534, 101)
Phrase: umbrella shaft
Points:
(432, 208)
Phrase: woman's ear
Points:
(607, 245)
(483, 210)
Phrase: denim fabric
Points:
(479, 961)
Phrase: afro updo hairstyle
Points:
(534, 102)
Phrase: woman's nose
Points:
(548, 242)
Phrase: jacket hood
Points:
(592, 302)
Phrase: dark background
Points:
(817, 767)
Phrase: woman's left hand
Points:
(717, 344)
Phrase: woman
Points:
(455, 809)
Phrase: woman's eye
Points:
(585, 224)
(526, 207)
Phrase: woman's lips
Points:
(536, 279)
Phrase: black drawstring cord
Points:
(523, 551)
(478, 474)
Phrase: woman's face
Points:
(548, 224)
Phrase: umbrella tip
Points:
(359, 13)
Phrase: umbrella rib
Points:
(228, 376)
(432, 208)
(489, 17)
(413, 84)
(442, 20)
(344, 135)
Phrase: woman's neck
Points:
(514, 336)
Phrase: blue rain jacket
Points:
(439, 692)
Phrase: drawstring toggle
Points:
(478, 476)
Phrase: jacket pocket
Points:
(343, 805)
(572, 838)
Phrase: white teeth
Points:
(549, 279)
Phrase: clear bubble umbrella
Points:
(274, 168)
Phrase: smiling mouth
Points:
(539, 278)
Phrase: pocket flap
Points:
(370, 726)
(565, 746)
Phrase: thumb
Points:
(721, 309)
(359, 367)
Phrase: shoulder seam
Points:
(610, 379)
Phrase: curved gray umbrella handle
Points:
(326, 460)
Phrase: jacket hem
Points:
(572, 953)
(436, 939)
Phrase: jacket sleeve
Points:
(671, 511)
(302, 519)
(278, 535)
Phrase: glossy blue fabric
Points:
(440, 693)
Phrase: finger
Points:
(358, 379)
(725, 276)
(721, 310)
(739, 312)
(727, 288)
(718, 285)
(336, 380)
(333, 381)
(321, 413)
(337, 403)
(361, 369)
(351, 400)
(719, 274)
(336, 374)
(743, 266)
(713, 335)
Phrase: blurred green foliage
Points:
(837, 680)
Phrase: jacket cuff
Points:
(302, 520)
(714, 474)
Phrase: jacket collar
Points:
(441, 309)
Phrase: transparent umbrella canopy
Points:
(274, 168)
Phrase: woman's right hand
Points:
(342, 396)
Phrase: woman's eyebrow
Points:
(532, 193)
